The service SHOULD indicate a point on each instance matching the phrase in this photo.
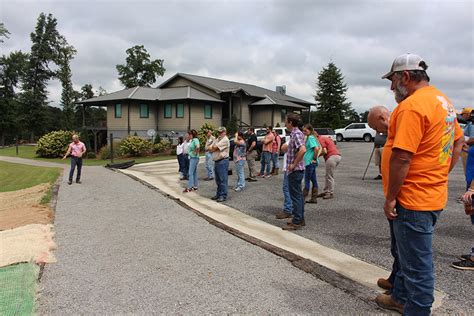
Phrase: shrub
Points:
(162, 147)
(104, 152)
(157, 139)
(202, 134)
(135, 146)
(54, 144)
(90, 155)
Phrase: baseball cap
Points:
(466, 111)
(405, 62)
(222, 129)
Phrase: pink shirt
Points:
(77, 149)
(327, 143)
(268, 147)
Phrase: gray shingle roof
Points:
(220, 86)
(270, 101)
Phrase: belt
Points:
(221, 159)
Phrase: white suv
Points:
(355, 131)
(283, 132)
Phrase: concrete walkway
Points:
(126, 248)
(33, 162)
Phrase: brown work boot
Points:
(292, 226)
(276, 171)
(282, 215)
(387, 302)
(273, 171)
(384, 284)
(305, 193)
(322, 194)
(314, 196)
(328, 195)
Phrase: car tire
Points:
(367, 138)
(339, 138)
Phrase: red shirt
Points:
(331, 148)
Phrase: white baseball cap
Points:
(405, 62)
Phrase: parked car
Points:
(355, 131)
(283, 132)
(327, 132)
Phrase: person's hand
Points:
(64, 157)
(79, 155)
(467, 197)
(389, 209)
(291, 167)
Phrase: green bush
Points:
(104, 152)
(135, 146)
(202, 134)
(157, 139)
(162, 147)
(90, 155)
(54, 144)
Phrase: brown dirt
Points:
(22, 207)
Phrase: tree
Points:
(3, 32)
(364, 116)
(139, 69)
(46, 48)
(68, 95)
(332, 108)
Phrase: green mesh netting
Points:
(18, 288)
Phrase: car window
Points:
(362, 126)
(352, 126)
(279, 131)
(322, 131)
(261, 132)
(331, 132)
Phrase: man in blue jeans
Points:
(423, 144)
(220, 155)
(287, 204)
(295, 169)
(76, 149)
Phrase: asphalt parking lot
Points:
(353, 222)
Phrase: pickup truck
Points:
(355, 131)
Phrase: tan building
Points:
(186, 102)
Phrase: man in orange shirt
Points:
(266, 157)
(423, 145)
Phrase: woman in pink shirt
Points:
(333, 158)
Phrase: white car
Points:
(283, 132)
(355, 131)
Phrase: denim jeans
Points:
(180, 163)
(193, 172)
(221, 176)
(275, 160)
(310, 176)
(75, 161)
(239, 166)
(185, 165)
(294, 186)
(414, 283)
(287, 204)
(209, 165)
(393, 250)
(265, 162)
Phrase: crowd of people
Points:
(423, 143)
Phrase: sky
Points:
(265, 43)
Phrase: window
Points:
(118, 110)
(144, 111)
(283, 115)
(352, 126)
(168, 111)
(208, 111)
(179, 110)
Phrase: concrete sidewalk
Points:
(33, 162)
(126, 248)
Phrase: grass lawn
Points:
(15, 176)
(29, 152)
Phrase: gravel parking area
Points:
(353, 222)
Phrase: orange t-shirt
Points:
(424, 124)
(269, 138)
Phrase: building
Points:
(186, 102)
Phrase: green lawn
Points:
(29, 152)
(14, 176)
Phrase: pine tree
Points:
(68, 95)
(332, 108)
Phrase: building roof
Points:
(152, 94)
(271, 101)
(222, 86)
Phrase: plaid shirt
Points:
(296, 141)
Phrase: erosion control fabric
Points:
(18, 288)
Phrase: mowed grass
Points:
(29, 152)
(15, 176)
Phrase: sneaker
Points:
(247, 179)
(267, 176)
(387, 302)
(221, 199)
(384, 284)
(293, 226)
(379, 177)
(214, 198)
(194, 188)
(69, 182)
(238, 189)
(252, 180)
(187, 190)
(465, 257)
(282, 215)
(78, 181)
(463, 265)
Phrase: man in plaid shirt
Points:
(295, 168)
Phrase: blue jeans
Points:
(185, 165)
(275, 161)
(287, 204)
(239, 166)
(75, 161)
(310, 176)
(294, 186)
(265, 162)
(393, 250)
(193, 172)
(209, 165)
(180, 162)
(414, 283)
(221, 176)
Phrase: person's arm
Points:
(467, 197)
(458, 143)
(67, 152)
(298, 158)
(400, 161)
(84, 149)
(252, 145)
